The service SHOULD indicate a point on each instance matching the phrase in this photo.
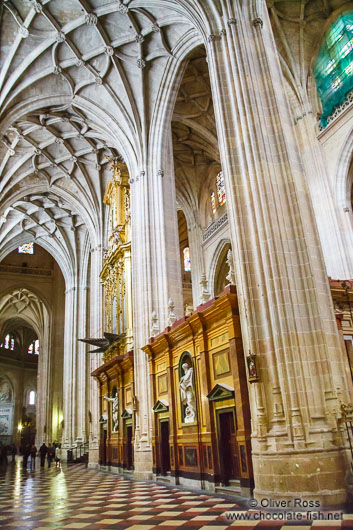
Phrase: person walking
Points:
(43, 451)
(33, 453)
(26, 453)
(58, 456)
(13, 452)
(51, 454)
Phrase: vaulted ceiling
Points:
(78, 85)
(299, 27)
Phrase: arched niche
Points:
(219, 268)
(7, 398)
(187, 388)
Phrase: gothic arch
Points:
(344, 177)
(217, 263)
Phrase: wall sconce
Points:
(252, 368)
(20, 427)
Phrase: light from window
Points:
(187, 263)
(334, 66)
(9, 342)
(32, 398)
(34, 347)
(221, 191)
(28, 248)
(213, 202)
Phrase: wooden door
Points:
(228, 447)
(164, 447)
(129, 448)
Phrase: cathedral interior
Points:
(176, 240)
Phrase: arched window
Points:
(187, 263)
(333, 69)
(9, 342)
(221, 192)
(32, 398)
(34, 347)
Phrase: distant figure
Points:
(43, 451)
(13, 452)
(58, 456)
(33, 453)
(3, 457)
(26, 453)
(51, 454)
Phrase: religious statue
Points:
(187, 393)
(115, 411)
(5, 391)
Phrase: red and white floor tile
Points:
(76, 497)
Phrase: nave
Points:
(77, 497)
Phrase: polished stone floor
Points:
(76, 497)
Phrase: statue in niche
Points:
(4, 426)
(115, 411)
(5, 392)
(187, 393)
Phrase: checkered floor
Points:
(76, 497)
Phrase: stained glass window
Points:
(7, 342)
(221, 192)
(34, 347)
(213, 202)
(28, 248)
(12, 344)
(333, 69)
(187, 263)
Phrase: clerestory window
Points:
(333, 70)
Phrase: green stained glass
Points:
(333, 69)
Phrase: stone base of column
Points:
(93, 458)
(314, 475)
(143, 464)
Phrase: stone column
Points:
(286, 307)
(196, 259)
(95, 360)
(69, 380)
(336, 237)
(156, 277)
(81, 356)
(44, 401)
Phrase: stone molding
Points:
(214, 227)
